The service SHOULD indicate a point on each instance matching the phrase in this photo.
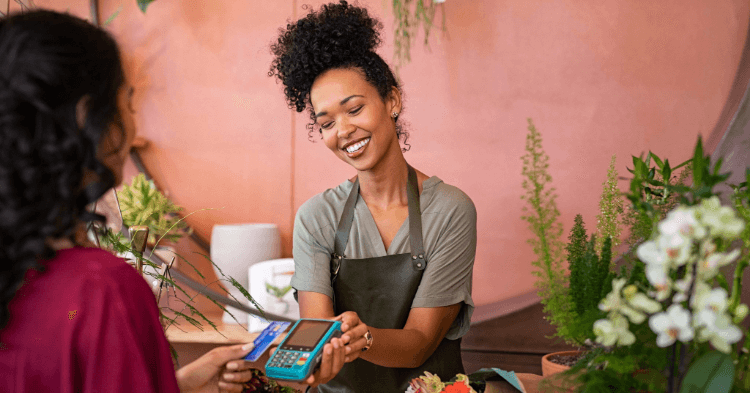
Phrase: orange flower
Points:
(458, 387)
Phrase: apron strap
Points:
(415, 221)
(343, 229)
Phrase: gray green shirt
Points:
(449, 228)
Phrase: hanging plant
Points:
(409, 17)
(143, 4)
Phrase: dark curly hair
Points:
(48, 62)
(338, 36)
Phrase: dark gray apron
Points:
(381, 290)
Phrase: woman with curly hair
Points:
(73, 317)
(390, 251)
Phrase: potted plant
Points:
(570, 295)
(673, 315)
(141, 203)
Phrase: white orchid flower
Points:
(650, 254)
(676, 248)
(721, 333)
(721, 220)
(709, 305)
(682, 287)
(634, 315)
(644, 303)
(657, 276)
(613, 301)
(614, 332)
(709, 267)
(605, 332)
(683, 222)
(672, 325)
(708, 247)
(627, 302)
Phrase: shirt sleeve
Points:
(312, 254)
(448, 276)
(122, 346)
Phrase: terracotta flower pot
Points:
(549, 368)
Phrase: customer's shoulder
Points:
(95, 267)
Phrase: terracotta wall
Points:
(599, 78)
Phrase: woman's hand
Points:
(353, 334)
(220, 370)
(330, 364)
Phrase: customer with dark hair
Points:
(390, 251)
(74, 318)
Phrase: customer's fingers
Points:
(237, 377)
(226, 387)
(239, 365)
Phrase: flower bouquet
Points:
(430, 383)
(260, 383)
(672, 319)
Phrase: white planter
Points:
(277, 272)
(234, 248)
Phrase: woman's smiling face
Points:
(355, 121)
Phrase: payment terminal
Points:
(299, 354)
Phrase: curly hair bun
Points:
(336, 36)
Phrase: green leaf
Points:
(112, 17)
(698, 163)
(711, 373)
(657, 160)
(143, 4)
(666, 171)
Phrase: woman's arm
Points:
(408, 347)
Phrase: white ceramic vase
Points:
(234, 248)
(278, 273)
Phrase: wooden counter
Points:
(185, 333)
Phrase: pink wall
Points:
(598, 78)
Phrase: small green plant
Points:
(590, 279)
(542, 214)
(277, 292)
(142, 204)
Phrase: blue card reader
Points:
(299, 354)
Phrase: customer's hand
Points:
(330, 363)
(218, 371)
(353, 334)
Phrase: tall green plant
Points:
(542, 215)
(610, 210)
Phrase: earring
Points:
(395, 115)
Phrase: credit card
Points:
(265, 339)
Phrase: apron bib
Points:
(381, 290)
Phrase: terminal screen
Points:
(306, 335)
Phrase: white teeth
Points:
(353, 148)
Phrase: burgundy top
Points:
(88, 323)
